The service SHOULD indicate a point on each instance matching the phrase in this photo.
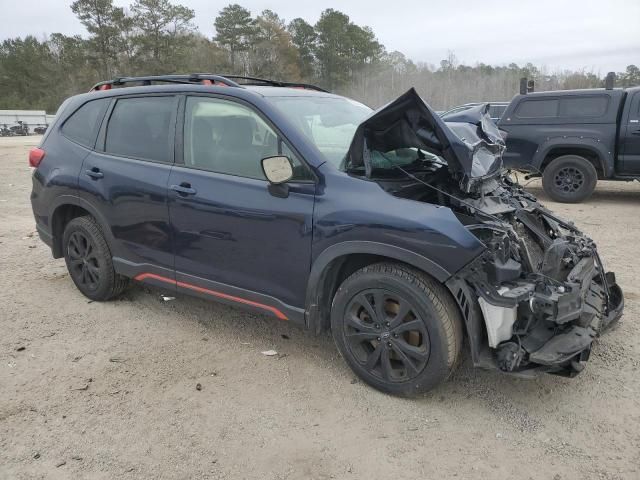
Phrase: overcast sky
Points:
(599, 35)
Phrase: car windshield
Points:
(329, 122)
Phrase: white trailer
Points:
(33, 118)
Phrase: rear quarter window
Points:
(83, 125)
(591, 106)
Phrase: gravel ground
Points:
(108, 390)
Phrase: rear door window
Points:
(588, 106)
(142, 127)
(83, 125)
(538, 108)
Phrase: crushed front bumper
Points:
(533, 325)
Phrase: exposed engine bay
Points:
(541, 287)
(538, 295)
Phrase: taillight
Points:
(35, 157)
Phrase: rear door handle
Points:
(184, 189)
(94, 173)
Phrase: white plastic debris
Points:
(270, 353)
(166, 298)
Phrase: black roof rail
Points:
(274, 83)
(202, 78)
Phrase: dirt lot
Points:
(108, 390)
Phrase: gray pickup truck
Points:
(572, 138)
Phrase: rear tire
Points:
(397, 328)
(89, 262)
(569, 179)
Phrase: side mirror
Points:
(277, 169)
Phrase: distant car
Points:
(496, 109)
(398, 232)
(40, 130)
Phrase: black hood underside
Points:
(471, 144)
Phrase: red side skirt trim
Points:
(144, 276)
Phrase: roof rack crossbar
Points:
(203, 78)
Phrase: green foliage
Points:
(273, 54)
(630, 77)
(158, 36)
(343, 48)
(162, 36)
(26, 70)
(101, 19)
(303, 37)
(235, 30)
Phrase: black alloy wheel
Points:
(386, 336)
(397, 328)
(84, 265)
(89, 260)
(569, 179)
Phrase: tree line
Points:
(159, 36)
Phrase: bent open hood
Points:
(470, 143)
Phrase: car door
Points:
(126, 177)
(234, 239)
(630, 136)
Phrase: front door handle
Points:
(183, 189)
(635, 132)
(94, 173)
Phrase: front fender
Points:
(354, 216)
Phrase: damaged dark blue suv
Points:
(399, 232)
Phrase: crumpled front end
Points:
(542, 289)
(538, 295)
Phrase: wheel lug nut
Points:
(395, 335)
(378, 338)
(388, 324)
(389, 344)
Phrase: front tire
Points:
(569, 179)
(88, 260)
(398, 329)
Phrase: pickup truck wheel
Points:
(398, 329)
(88, 260)
(569, 179)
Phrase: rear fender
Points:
(61, 202)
